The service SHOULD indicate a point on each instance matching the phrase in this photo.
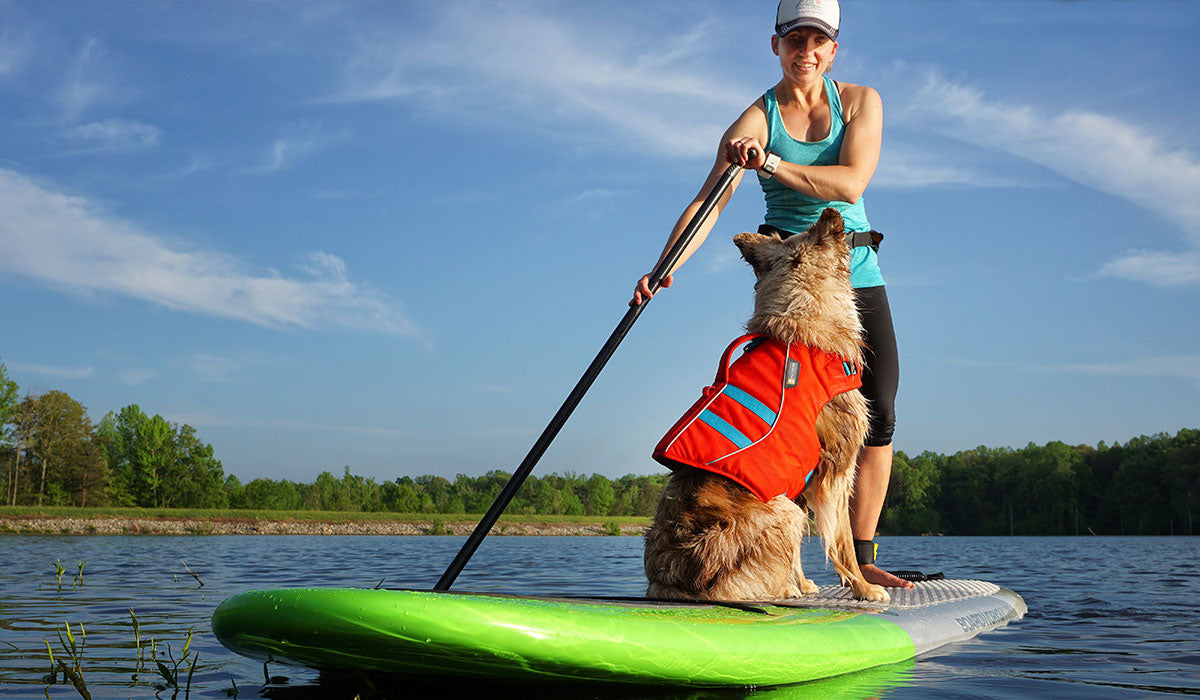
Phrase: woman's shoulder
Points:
(857, 97)
(755, 113)
(851, 93)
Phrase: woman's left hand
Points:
(738, 150)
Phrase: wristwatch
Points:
(768, 169)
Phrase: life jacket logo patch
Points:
(791, 375)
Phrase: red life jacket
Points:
(757, 423)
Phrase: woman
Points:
(815, 144)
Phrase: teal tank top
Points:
(789, 210)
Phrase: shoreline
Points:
(109, 525)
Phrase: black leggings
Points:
(881, 376)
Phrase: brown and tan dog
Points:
(713, 539)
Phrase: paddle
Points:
(585, 382)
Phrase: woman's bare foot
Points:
(876, 575)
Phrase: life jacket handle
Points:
(727, 357)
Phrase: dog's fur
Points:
(711, 538)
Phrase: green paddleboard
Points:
(531, 639)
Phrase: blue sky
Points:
(392, 235)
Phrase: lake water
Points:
(1108, 616)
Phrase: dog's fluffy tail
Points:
(713, 539)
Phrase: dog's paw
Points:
(871, 592)
(807, 587)
(790, 591)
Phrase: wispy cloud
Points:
(83, 84)
(1165, 269)
(591, 196)
(14, 51)
(903, 167)
(212, 368)
(1099, 151)
(64, 241)
(113, 135)
(653, 92)
(296, 143)
(136, 377)
(55, 371)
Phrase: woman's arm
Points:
(753, 125)
(859, 156)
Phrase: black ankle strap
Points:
(865, 551)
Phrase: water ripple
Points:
(1098, 626)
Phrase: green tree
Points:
(60, 439)
(196, 478)
(599, 496)
(400, 496)
(572, 504)
(1182, 473)
(268, 494)
(910, 504)
(546, 499)
(156, 463)
(233, 491)
(649, 489)
(153, 452)
(326, 493)
(112, 436)
(139, 450)
(10, 450)
(438, 488)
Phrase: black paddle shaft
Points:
(585, 382)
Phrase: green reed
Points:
(140, 663)
(170, 673)
(74, 651)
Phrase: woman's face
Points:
(805, 53)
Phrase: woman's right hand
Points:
(641, 291)
(746, 152)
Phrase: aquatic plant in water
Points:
(140, 664)
(74, 671)
(171, 673)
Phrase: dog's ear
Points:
(758, 250)
(828, 228)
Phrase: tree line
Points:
(52, 454)
(1148, 486)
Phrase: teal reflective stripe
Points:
(731, 433)
(754, 405)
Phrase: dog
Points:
(712, 537)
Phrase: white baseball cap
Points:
(825, 15)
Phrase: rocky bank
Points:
(233, 526)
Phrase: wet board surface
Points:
(619, 640)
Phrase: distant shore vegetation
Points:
(51, 454)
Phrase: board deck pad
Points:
(618, 640)
(934, 613)
(921, 595)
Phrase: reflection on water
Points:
(1108, 617)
